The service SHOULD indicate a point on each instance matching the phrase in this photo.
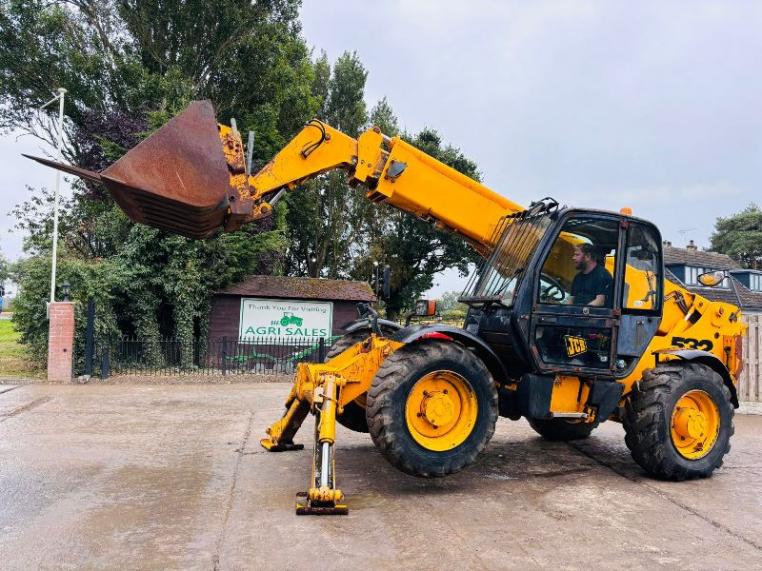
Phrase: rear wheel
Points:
(560, 430)
(432, 408)
(353, 416)
(679, 421)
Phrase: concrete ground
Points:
(156, 477)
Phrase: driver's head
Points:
(584, 256)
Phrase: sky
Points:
(651, 105)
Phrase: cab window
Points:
(580, 267)
(642, 274)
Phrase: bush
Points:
(97, 279)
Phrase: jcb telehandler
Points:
(539, 341)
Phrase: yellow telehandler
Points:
(570, 322)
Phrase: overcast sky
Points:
(656, 106)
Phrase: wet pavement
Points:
(157, 477)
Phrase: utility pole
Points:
(60, 98)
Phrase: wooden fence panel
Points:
(750, 382)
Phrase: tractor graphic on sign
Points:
(290, 319)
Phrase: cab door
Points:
(576, 296)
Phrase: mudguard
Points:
(358, 324)
(415, 333)
(708, 359)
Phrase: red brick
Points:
(60, 341)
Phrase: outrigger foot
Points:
(270, 446)
(305, 506)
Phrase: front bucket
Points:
(177, 180)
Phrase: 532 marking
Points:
(688, 343)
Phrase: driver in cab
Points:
(593, 284)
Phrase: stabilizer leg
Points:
(281, 433)
(323, 498)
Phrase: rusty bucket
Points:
(177, 180)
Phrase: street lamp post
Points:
(60, 99)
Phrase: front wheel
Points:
(432, 408)
(679, 421)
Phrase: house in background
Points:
(742, 287)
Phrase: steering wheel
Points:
(553, 292)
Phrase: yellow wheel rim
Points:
(695, 424)
(441, 410)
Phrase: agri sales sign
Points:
(285, 318)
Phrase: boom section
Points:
(392, 171)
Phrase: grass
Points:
(14, 357)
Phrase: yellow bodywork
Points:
(324, 389)
(394, 172)
(441, 411)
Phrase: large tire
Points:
(559, 430)
(396, 382)
(652, 418)
(353, 416)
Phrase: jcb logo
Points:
(575, 345)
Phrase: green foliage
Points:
(325, 217)
(336, 233)
(100, 280)
(450, 309)
(15, 360)
(129, 67)
(740, 237)
(414, 249)
(4, 269)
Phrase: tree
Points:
(322, 215)
(335, 232)
(4, 269)
(740, 237)
(414, 249)
(129, 67)
(450, 308)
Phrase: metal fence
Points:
(750, 383)
(222, 356)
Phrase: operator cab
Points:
(568, 291)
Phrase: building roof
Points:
(748, 299)
(301, 288)
(698, 258)
(737, 294)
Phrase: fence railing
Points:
(221, 356)
(750, 383)
(265, 355)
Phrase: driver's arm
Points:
(599, 301)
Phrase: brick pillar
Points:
(60, 341)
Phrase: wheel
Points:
(353, 416)
(432, 408)
(679, 421)
(560, 430)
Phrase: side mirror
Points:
(711, 279)
(425, 308)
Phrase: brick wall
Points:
(60, 341)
